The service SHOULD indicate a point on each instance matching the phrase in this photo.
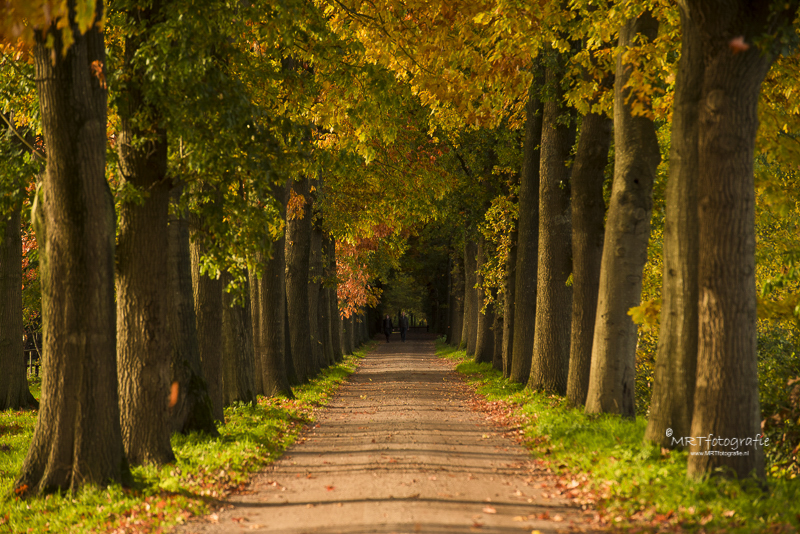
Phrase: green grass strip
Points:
(626, 477)
(206, 469)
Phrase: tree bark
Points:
(471, 307)
(509, 296)
(497, 328)
(254, 276)
(77, 439)
(613, 367)
(550, 363)
(347, 338)
(238, 365)
(484, 344)
(208, 311)
(314, 288)
(726, 400)
(193, 410)
(143, 343)
(527, 241)
(333, 302)
(588, 227)
(457, 303)
(14, 392)
(298, 246)
(672, 401)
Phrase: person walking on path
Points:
(403, 326)
(387, 326)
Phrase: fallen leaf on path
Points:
(238, 519)
(255, 526)
(557, 517)
(329, 488)
(213, 518)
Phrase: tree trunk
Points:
(672, 401)
(471, 306)
(484, 344)
(456, 303)
(291, 375)
(238, 365)
(550, 363)
(143, 343)
(726, 398)
(347, 337)
(613, 367)
(255, 276)
(314, 287)
(497, 328)
(509, 295)
(208, 310)
(14, 392)
(298, 247)
(527, 241)
(588, 221)
(78, 439)
(193, 410)
(333, 301)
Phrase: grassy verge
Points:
(604, 462)
(206, 469)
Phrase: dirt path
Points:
(399, 450)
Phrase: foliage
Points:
(206, 469)
(603, 461)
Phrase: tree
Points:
(469, 336)
(238, 365)
(78, 438)
(484, 343)
(637, 155)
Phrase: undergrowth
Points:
(626, 478)
(205, 471)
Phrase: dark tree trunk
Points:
(550, 364)
(527, 241)
(333, 302)
(588, 220)
(14, 392)
(484, 336)
(509, 295)
(208, 310)
(672, 401)
(238, 365)
(193, 411)
(497, 328)
(324, 320)
(291, 375)
(347, 337)
(255, 276)
(457, 303)
(471, 306)
(726, 400)
(613, 366)
(314, 287)
(78, 439)
(143, 342)
(298, 247)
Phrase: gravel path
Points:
(399, 449)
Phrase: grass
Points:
(206, 468)
(627, 478)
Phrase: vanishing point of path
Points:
(399, 449)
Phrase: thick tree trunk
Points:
(550, 363)
(314, 288)
(14, 392)
(78, 439)
(193, 410)
(527, 241)
(143, 342)
(726, 398)
(613, 367)
(484, 344)
(471, 306)
(672, 401)
(509, 295)
(238, 365)
(298, 248)
(208, 311)
(254, 277)
(588, 220)
(291, 375)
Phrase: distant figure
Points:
(387, 326)
(403, 326)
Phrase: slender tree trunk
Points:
(208, 310)
(457, 303)
(726, 398)
(259, 354)
(291, 375)
(527, 241)
(326, 337)
(550, 364)
(143, 343)
(78, 439)
(471, 306)
(672, 401)
(613, 367)
(14, 392)
(193, 411)
(509, 296)
(238, 365)
(347, 337)
(333, 302)
(298, 246)
(588, 221)
(484, 344)
(497, 328)
(314, 287)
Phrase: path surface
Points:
(399, 449)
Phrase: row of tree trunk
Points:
(571, 279)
